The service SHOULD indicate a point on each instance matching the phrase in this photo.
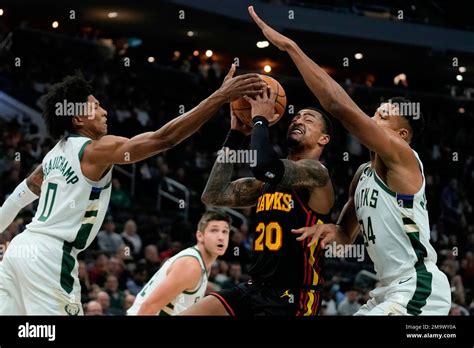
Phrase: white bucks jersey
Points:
(395, 227)
(183, 300)
(71, 207)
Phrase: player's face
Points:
(216, 237)
(387, 116)
(96, 120)
(306, 129)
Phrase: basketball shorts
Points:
(259, 299)
(38, 277)
(423, 292)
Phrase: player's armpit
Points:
(305, 173)
(240, 193)
(184, 274)
(348, 226)
(35, 180)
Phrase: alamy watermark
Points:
(30, 252)
(226, 155)
(408, 109)
(356, 251)
(66, 108)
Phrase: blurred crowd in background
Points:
(137, 236)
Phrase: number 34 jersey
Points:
(395, 226)
(278, 259)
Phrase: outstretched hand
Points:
(326, 233)
(236, 87)
(279, 40)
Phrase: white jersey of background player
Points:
(39, 271)
(395, 226)
(182, 280)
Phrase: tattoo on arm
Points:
(304, 174)
(220, 191)
(35, 180)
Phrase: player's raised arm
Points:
(184, 274)
(24, 194)
(220, 190)
(119, 150)
(334, 99)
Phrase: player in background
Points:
(182, 280)
(386, 198)
(39, 271)
(285, 274)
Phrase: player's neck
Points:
(296, 155)
(88, 134)
(372, 157)
(207, 257)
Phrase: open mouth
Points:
(297, 130)
(220, 245)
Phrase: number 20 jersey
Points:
(278, 258)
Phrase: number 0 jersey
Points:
(395, 227)
(71, 207)
(278, 258)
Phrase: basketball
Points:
(242, 108)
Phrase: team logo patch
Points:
(72, 309)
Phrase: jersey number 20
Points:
(269, 236)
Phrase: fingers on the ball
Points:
(252, 76)
(269, 91)
(251, 93)
(247, 98)
(258, 85)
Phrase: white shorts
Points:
(38, 276)
(420, 293)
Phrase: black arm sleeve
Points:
(234, 140)
(269, 167)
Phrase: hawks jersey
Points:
(395, 226)
(71, 207)
(278, 258)
(183, 300)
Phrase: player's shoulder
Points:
(103, 144)
(108, 140)
(360, 169)
(188, 260)
(187, 268)
(356, 177)
(309, 166)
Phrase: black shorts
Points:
(258, 299)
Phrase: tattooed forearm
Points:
(35, 180)
(304, 174)
(220, 191)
